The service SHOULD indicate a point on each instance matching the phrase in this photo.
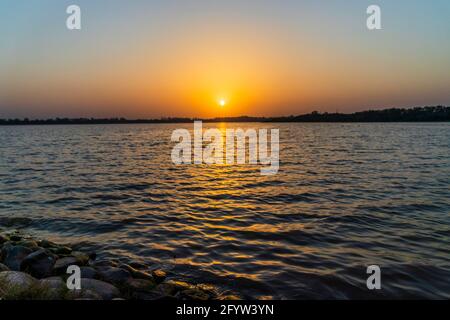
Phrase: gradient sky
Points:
(178, 58)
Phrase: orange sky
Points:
(153, 60)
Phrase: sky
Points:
(170, 58)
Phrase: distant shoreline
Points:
(418, 114)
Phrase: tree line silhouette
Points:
(418, 114)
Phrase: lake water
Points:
(346, 196)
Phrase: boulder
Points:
(81, 257)
(171, 287)
(62, 264)
(88, 272)
(208, 288)
(229, 297)
(105, 290)
(114, 275)
(46, 244)
(159, 275)
(61, 250)
(31, 244)
(3, 267)
(83, 295)
(140, 285)
(39, 264)
(54, 288)
(193, 294)
(15, 279)
(14, 255)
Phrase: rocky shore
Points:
(36, 269)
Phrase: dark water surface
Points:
(346, 196)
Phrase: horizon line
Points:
(412, 114)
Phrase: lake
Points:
(346, 196)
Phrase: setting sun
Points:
(222, 102)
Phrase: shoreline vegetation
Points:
(36, 269)
(418, 114)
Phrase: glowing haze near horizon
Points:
(180, 58)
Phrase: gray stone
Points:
(105, 290)
(62, 264)
(47, 244)
(17, 280)
(39, 264)
(31, 244)
(229, 297)
(14, 255)
(3, 267)
(159, 275)
(140, 285)
(193, 294)
(54, 288)
(81, 257)
(88, 272)
(172, 287)
(114, 275)
(61, 250)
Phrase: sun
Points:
(222, 102)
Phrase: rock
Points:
(3, 267)
(207, 288)
(39, 264)
(159, 275)
(46, 244)
(19, 280)
(140, 285)
(114, 275)
(92, 256)
(31, 244)
(62, 264)
(193, 294)
(84, 294)
(105, 290)
(171, 287)
(4, 238)
(137, 273)
(61, 250)
(88, 272)
(229, 297)
(14, 256)
(54, 288)
(81, 257)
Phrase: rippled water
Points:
(346, 196)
